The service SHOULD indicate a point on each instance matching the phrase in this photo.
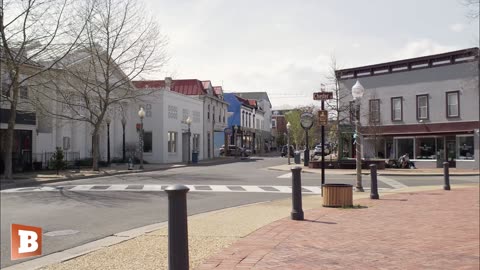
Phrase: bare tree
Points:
(29, 31)
(120, 43)
(473, 8)
(337, 107)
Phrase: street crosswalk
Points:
(156, 188)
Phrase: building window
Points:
(422, 107)
(404, 146)
(374, 109)
(274, 123)
(196, 142)
(351, 106)
(147, 141)
(243, 118)
(397, 109)
(5, 89)
(172, 112)
(66, 143)
(465, 147)
(186, 114)
(148, 110)
(208, 112)
(453, 105)
(425, 148)
(23, 92)
(172, 142)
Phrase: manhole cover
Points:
(61, 233)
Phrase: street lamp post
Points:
(235, 129)
(108, 141)
(288, 141)
(357, 93)
(141, 114)
(189, 123)
(124, 123)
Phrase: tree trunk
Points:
(7, 159)
(95, 149)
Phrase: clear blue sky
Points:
(284, 47)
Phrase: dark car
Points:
(284, 151)
(233, 150)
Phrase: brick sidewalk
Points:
(422, 230)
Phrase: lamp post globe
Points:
(357, 92)
(141, 114)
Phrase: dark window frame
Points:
(393, 109)
(351, 106)
(370, 113)
(428, 107)
(147, 134)
(458, 104)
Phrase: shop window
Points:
(465, 147)
(172, 142)
(397, 109)
(453, 104)
(404, 146)
(422, 107)
(425, 148)
(147, 142)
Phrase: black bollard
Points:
(177, 227)
(374, 186)
(446, 176)
(297, 211)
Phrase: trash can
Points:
(194, 157)
(297, 157)
(337, 195)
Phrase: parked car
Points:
(284, 151)
(318, 149)
(234, 150)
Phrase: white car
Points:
(318, 150)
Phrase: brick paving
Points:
(419, 230)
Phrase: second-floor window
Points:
(397, 109)
(422, 107)
(351, 106)
(274, 123)
(208, 113)
(374, 110)
(453, 106)
(23, 92)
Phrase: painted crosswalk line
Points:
(156, 188)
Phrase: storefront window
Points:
(465, 147)
(404, 146)
(425, 148)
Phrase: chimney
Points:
(168, 83)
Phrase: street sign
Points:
(322, 95)
(323, 117)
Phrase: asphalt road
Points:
(85, 216)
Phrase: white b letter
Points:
(28, 241)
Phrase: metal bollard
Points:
(177, 227)
(446, 176)
(297, 211)
(374, 186)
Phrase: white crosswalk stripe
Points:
(157, 188)
(391, 182)
(287, 175)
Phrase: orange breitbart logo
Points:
(26, 241)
